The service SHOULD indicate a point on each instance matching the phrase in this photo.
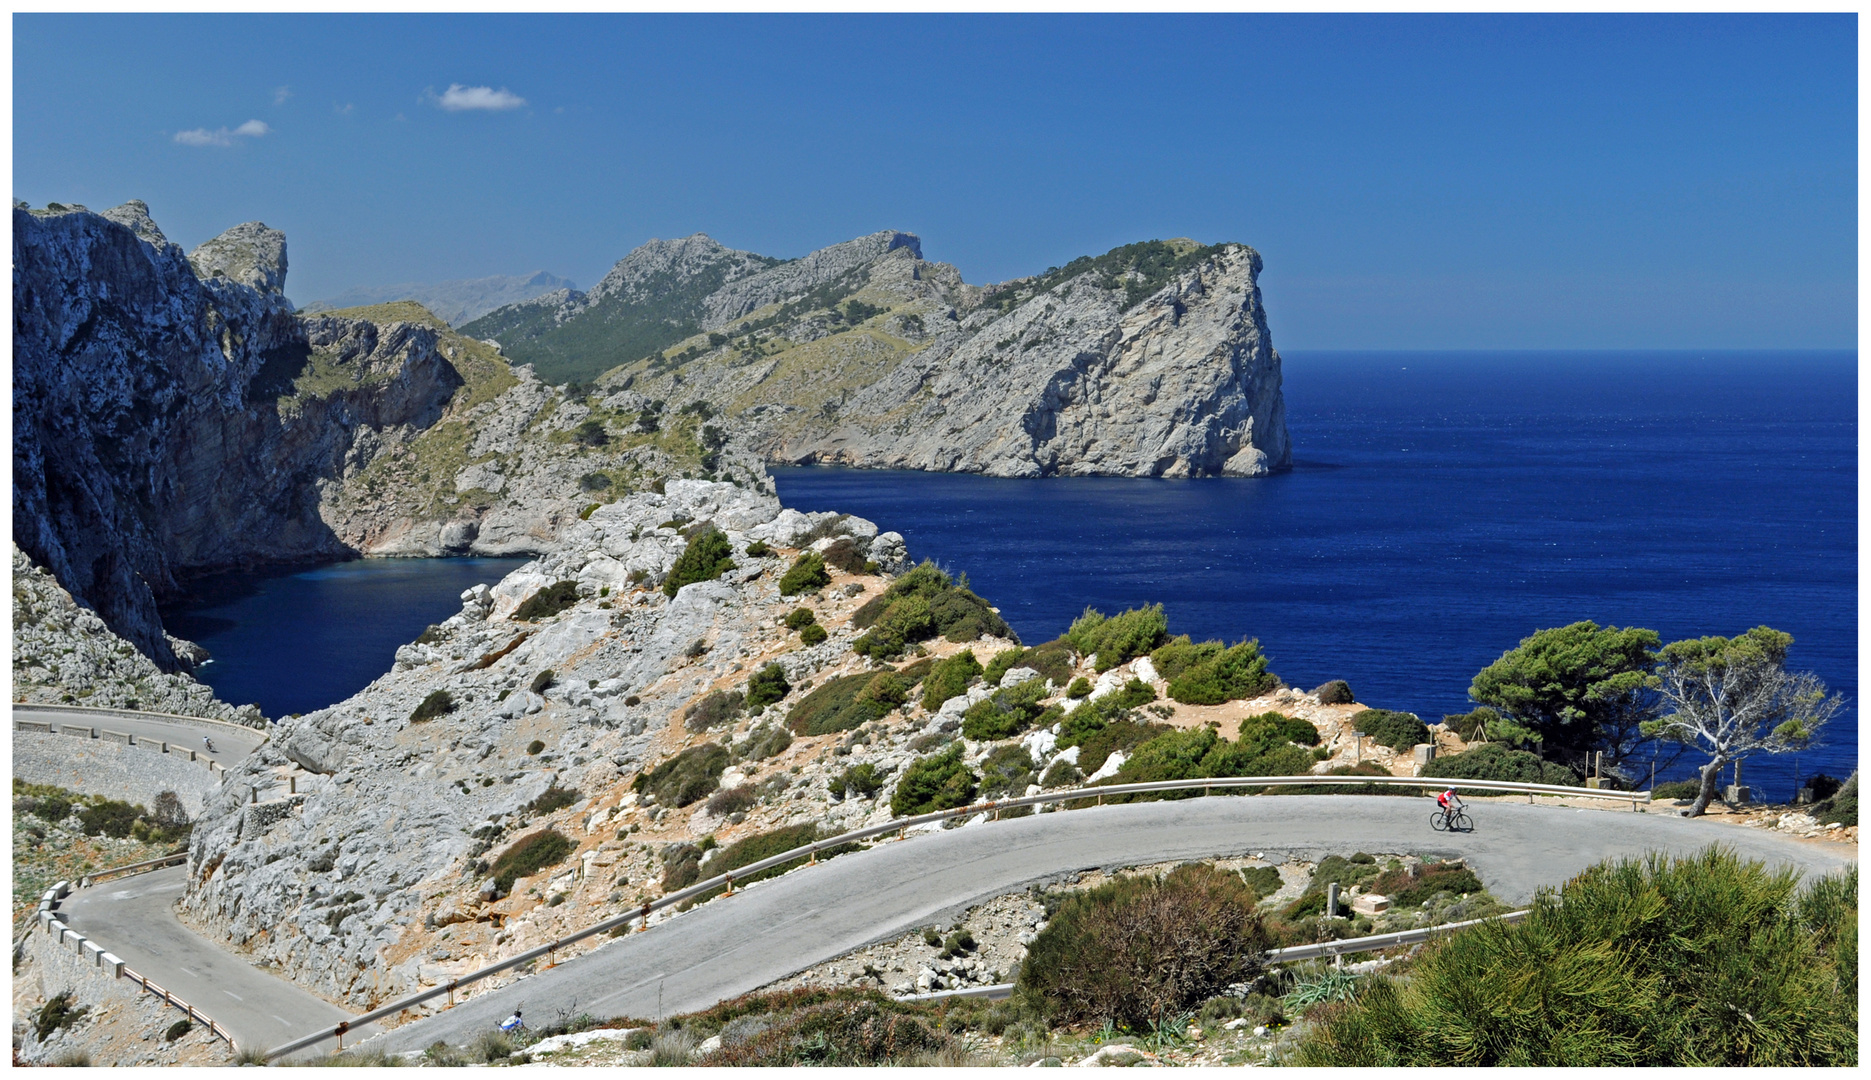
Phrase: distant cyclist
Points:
(208, 743)
(1450, 803)
(513, 1023)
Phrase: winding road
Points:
(767, 931)
(231, 741)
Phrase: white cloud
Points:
(252, 129)
(281, 94)
(459, 98)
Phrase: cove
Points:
(1442, 507)
(295, 640)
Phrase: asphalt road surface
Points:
(134, 917)
(231, 742)
(732, 945)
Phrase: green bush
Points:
(543, 681)
(436, 704)
(1004, 661)
(920, 605)
(800, 618)
(689, 776)
(548, 601)
(862, 780)
(1134, 694)
(807, 574)
(1096, 746)
(767, 686)
(949, 678)
(714, 710)
(554, 798)
(1336, 692)
(845, 555)
(111, 817)
(758, 550)
(1061, 773)
(1676, 789)
(707, 557)
(529, 855)
(1271, 729)
(1200, 754)
(1080, 687)
(847, 702)
(1397, 730)
(731, 800)
(1495, 761)
(1120, 638)
(1052, 659)
(57, 1013)
(1141, 948)
(1842, 807)
(835, 1028)
(1413, 887)
(177, 1030)
(764, 742)
(1179, 654)
(1228, 674)
(812, 635)
(937, 782)
(1704, 960)
(535, 747)
(1006, 713)
(1264, 881)
(1006, 772)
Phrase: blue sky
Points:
(1412, 182)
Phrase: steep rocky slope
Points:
(1152, 360)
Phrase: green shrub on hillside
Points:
(1270, 729)
(763, 742)
(1472, 726)
(529, 855)
(1698, 961)
(1052, 659)
(1006, 772)
(1079, 688)
(1133, 695)
(1225, 674)
(800, 618)
(1139, 949)
(1119, 638)
(766, 686)
(1201, 754)
(689, 776)
(812, 635)
(844, 554)
(1495, 761)
(438, 703)
(807, 574)
(758, 549)
(937, 782)
(847, 702)
(862, 780)
(1336, 692)
(715, 709)
(836, 1028)
(1004, 661)
(1842, 807)
(1397, 730)
(949, 678)
(548, 601)
(1006, 713)
(920, 605)
(707, 557)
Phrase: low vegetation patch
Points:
(98, 816)
(766, 687)
(949, 678)
(807, 574)
(438, 703)
(847, 702)
(1120, 638)
(529, 855)
(1699, 961)
(920, 605)
(1141, 948)
(548, 601)
(1336, 692)
(554, 798)
(686, 778)
(714, 710)
(707, 557)
(1211, 673)
(1397, 730)
(1009, 712)
(940, 781)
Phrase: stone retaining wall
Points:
(107, 767)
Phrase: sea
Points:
(1441, 507)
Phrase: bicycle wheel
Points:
(1462, 822)
(1438, 820)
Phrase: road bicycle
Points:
(1456, 820)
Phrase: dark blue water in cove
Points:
(1442, 507)
(297, 640)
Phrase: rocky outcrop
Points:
(1073, 382)
(356, 826)
(1154, 359)
(64, 654)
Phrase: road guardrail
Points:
(161, 746)
(900, 825)
(173, 718)
(95, 953)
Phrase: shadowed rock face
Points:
(148, 440)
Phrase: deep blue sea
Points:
(1441, 507)
(296, 640)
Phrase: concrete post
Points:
(1331, 900)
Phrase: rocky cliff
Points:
(1152, 360)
